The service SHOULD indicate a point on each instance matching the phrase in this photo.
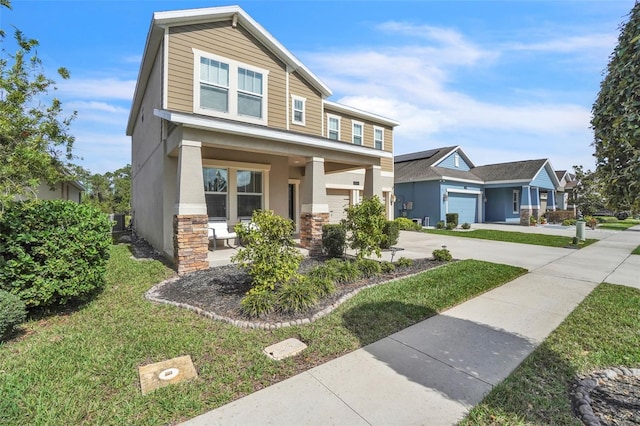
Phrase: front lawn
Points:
(601, 332)
(514, 237)
(636, 251)
(81, 366)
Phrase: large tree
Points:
(35, 143)
(616, 120)
(110, 192)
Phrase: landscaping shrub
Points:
(12, 312)
(591, 222)
(404, 262)
(451, 226)
(442, 255)
(346, 270)
(334, 238)
(369, 267)
(322, 286)
(52, 252)
(296, 295)
(559, 216)
(391, 233)
(364, 224)
(440, 224)
(405, 224)
(257, 303)
(569, 222)
(466, 226)
(269, 255)
(386, 266)
(452, 218)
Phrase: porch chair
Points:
(219, 230)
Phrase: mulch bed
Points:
(219, 290)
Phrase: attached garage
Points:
(338, 200)
(466, 205)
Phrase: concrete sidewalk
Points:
(433, 372)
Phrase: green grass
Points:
(514, 237)
(591, 338)
(81, 366)
(636, 251)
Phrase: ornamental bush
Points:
(52, 252)
(442, 255)
(334, 238)
(269, 254)
(391, 234)
(12, 312)
(405, 224)
(452, 218)
(364, 223)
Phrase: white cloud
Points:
(567, 44)
(97, 88)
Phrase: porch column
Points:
(314, 209)
(525, 206)
(373, 182)
(190, 229)
(535, 204)
(551, 200)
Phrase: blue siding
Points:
(543, 180)
(426, 200)
(449, 163)
(499, 205)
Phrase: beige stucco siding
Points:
(313, 106)
(233, 43)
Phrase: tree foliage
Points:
(587, 195)
(35, 144)
(616, 120)
(109, 192)
(365, 226)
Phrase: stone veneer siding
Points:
(311, 231)
(190, 243)
(525, 215)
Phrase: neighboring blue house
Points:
(430, 184)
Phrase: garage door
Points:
(338, 200)
(466, 205)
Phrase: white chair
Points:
(219, 230)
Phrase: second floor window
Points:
(333, 128)
(249, 93)
(214, 85)
(378, 138)
(298, 110)
(357, 133)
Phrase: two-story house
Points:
(226, 120)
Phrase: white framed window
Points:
(333, 127)
(357, 133)
(216, 191)
(298, 111)
(378, 138)
(249, 192)
(229, 89)
(516, 201)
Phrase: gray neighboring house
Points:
(429, 184)
(66, 190)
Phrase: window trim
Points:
(338, 118)
(295, 98)
(233, 91)
(355, 123)
(515, 201)
(381, 129)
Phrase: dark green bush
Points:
(451, 225)
(369, 267)
(440, 224)
(404, 262)
(442, 255)
(364, 224)
(258, 303)
(386, 266)
(466, 226)
(297, 295)
(322, 286)
(334, 239)
(405, 224)
(12, 312)
(346, 271)
(391, 233)
(52, 252)
(452, 218)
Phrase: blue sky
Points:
(506, 80)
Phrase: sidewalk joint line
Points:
(337, 396)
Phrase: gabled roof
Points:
(163, 20)
(423, 165)
(516, 170)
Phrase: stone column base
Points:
(190, 243)
(525, 217)
(536, 214)
(311, 231)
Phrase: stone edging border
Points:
(581, 398)
(152, 295)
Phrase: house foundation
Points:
(190, 243)
(311, 231)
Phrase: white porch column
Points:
(373, 182)
(315, 208)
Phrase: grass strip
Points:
(636, 251)
(81, 366)
(514, 237)
(616, 225)
(601, 332)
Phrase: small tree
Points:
(269, 254)
(35, 145)
(365, 227)
(587, 194)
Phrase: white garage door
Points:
(338, 200)
(466, 205)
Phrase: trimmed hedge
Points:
(52, 252)
(334, 239)
(391, 233)
(452, 218)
